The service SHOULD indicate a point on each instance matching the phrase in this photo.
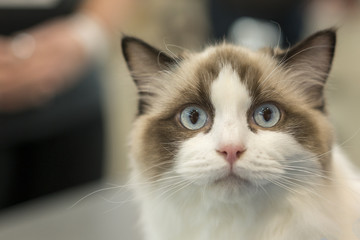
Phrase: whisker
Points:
(279, 184)
(91, 194)
(178, 189)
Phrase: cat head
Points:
(230, 119)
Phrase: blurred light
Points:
(28, 3)
(23, 45)
(255, 33)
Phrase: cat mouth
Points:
(232, 180)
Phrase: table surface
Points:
(104, 212)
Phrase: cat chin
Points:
(231, 189)
(232, 180)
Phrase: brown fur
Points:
(289, 79)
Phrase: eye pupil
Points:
(194, 116)
(267, 114)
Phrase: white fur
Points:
(231, 100)
(285, 197)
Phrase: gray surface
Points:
(105, 215)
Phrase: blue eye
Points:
(267, 115)
(193, 118)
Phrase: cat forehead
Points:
(243, 61)
(191, 82)
(200, 70)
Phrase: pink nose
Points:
(231, 153)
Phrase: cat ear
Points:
(145, 63)
(143, 59)
(311, 60)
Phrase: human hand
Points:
(36, 66)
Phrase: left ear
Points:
(311, 61)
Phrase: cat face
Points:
(230, 121)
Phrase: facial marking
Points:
(266, 155)
(231, 101)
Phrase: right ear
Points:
(311, 59)
(144, 63)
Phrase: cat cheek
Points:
(269, 155)
(198, 161)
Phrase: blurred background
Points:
(67, 101)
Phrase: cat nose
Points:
(231, 153)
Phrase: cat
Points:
(230, 143)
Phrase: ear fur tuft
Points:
(311, 61)
(144, 63)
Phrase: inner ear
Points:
(309, 62)
(144, 60)
(146, 64)
(313, 55)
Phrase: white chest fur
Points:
(190, 214)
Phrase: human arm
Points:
(40, 62)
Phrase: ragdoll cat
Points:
(235, 144)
